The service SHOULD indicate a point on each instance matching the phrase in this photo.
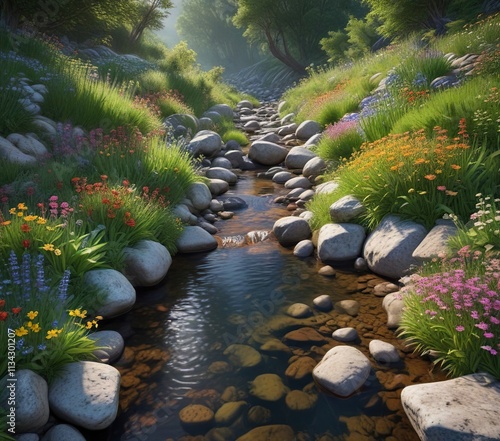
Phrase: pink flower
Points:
(489, 335)
(441, 188)
(460, 328)
(53, 198)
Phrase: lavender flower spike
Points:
(63, 286)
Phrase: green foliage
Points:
(235, 135)
(420, 69)
(342, 146)
(335, 45)
(320, 207)
(179, 59)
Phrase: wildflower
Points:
(441, 188)
(455, 167)
(16, 310)
(25, 228)
(78, 313)
(451, 193)
(21, 331)
(21, 206)
(32, 315)
(430, 177)
(30, 218)
(41, 221)
(5, 223)
(130, 222)
(3, 316)
(489, 335)
(57, 252)
(52, 333)
(26, 243)
(48, 247)
(460, 328)
(36, 328)
(42, 347)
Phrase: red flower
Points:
(25, 228)
(111, 214)
(125, 183)
(16, 310)
(59, 185)
(3, 316)
(130, 222)
(106, 201)
(26, 243)
(2, 303)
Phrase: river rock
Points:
(228, 412)
(304, 248)
(251, 126)
(275, 346)
(327, 187)
(384, 288)
(314, 167)
(223, 109)
(222, 173)
(298, 182)
(146, 263)
(462, 409)
(185, 120)
(313, 140)
(282, 177)
(299, 310)
(327, 271)
(195, 239)
(86, 394)
(323, 302)
(259, 416)
(287, 129)
(298, 157)
(291, 230)
(214, 116)
(307, 129)
(196, 415)
(11, 154)
(389, 248)
(435, 242)
(243, 356)
(63, 432)
(346, 209)
(269, 433)
(393, 305)
(200, 195)
(28, 145)
(224, 162)
(340, 242)
(32, 404)
(110, 343)
(383, 352)
(342, 370)
(120, 294)
(300, 368)
(182, 212)
(305, 335)
(360, 264)
(345, 334)
(267, 153)
(268, 387)
(350, 307)
(207, 144)
(218, 186)
(235, 158)
(300, 401)
(245, 103)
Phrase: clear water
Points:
(208, 301)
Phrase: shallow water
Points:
(208, 301)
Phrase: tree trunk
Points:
(285, 58)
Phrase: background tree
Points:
(148, 14)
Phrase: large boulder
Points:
(291, 230)
(307, 129)
(462, 409)
(200, 195)
(119, 292)
(11, 154)
(435, 243)
(63, 432)
(223, 109)
(32, 401)
(343, 370)
(340, 242)
(86, 394)
(314, 167)
(346, 209)
(267, 153)
(28, 145)
(298, 157)
(146, 263)
(195, 239)
(206, 144)
(389, 248)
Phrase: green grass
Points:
(341, 147)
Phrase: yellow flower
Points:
(48, 247)
(78, 313)
(52, 333)
(22, 206)
(21, 331)
(20, 214)
(91, 323)
(30, 218)
(50, 228)
(12, 211)
(32, 314)
(422, 193)
(41, 221)
(36, 328)
(57, 252)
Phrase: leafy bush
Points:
(420, 69)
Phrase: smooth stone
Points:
(298, 400)
(228, 412)
(300, 368)
(327, 187)
(435, 242)
(195, 239)
(216, 205)
(323, 302)
(305, 335)
(299, 310)
(208, 144)
(63, 432)
(294, 195)
(350, 307)
(282, 177)
(306, 129)
(29, 437)
(268, 387)
(291, 230)
(275, 346)
(276, 432)
(11, 154)
(219, 367)
(270, 137)
(196, 415)
(200, 195)
(235, 158)
(218, 186)
(251, 126)
(314, 140)
(226, 215)
(233, 203)
(343, 370)
(28, 145)
(120, 293)
(340, 242)
(208, 227)
(327, 271)
(243, 356)
(360, 264)
(287, 129)
(245, 103)
(267, 153)
(146, 263)
(298, 182)
(346, 209)
(383, 352)
(222, 162)
(393, 304)
(222, 173)
(304, 248)
(461, 409)
(32, 404)
(111, 343)
(86, 394)
(287, 118)
(182, 212)
(384, 288)
(345, 334)
(259, 416)
(298, 157)
(222, 109)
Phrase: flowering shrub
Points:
(48, 333)
(340, 139)
(454, 314)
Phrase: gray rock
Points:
(304, 248)
(209, 228)
(291, 230)
(307, 129)
(327, 187)
(235, 158)
(245, 103)
(28, 145)
(462, 409)
(233, 203)
(307, 195)
(222, 162)
(111, 344)
(299, 310)
(208, 145)
(185, 120)
(327, 271)
(345, 334)
(267, 153)
(28, 437)
(195, 239)
(323, 303)
(314, 167)
(360, 264)
(313, 140)
(294, 195)
(298, 182)
(342, 370)
(389, 248)
(340, 242)
(393, 305)
(222, 173)
(350, 307)
(346, 209)
(205, 123)
(435, 243)
(182, 212)
(223, 109)
(11, 154)
(63, 432)
(282, 177)
(384, 288)
(86, 394)
(218, 186)
(216, 206)
(216, 117)
(146, 263)
(288, 129)
(232, 145)
(120, 294)
(270, 137)
(383, 352)
(287, 118)
(251, 126)
(32, 404)
(45, 124)
(200, 195)
(298, 157)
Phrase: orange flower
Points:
(25, 228)
(130, 222)
(16, 310)
(3, 316)
(5, 223)
(111, 214)
(430, 177)
(455, 167)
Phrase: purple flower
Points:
(482, 326)
(474, 315)
(489, 335)
(460, 328)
